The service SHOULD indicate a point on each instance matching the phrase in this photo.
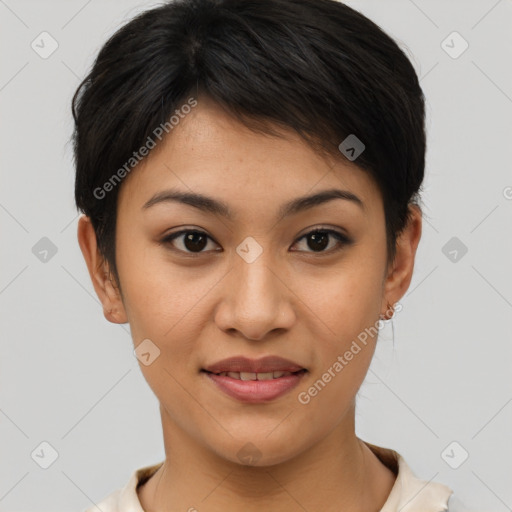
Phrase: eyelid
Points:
(325, 229)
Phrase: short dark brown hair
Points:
(318, 67)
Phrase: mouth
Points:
(254, 381)
(260, 376)
(265, 368)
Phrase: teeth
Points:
(247, 376)
(255, 376)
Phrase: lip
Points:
(255, 391)
(262, 365)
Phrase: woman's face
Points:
(256, 283)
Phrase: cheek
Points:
(349, 308)
(160, 298)
(347, 302)
(167, 305)
(164, 305)
(344, 354)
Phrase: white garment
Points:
(409, 493)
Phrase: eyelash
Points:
(342, 239)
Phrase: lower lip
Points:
(256, 391)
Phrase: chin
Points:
(258, 450)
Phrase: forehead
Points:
(212, 153)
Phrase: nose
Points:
(256, 300)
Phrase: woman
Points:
(249, 173)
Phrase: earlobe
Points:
(400, 272)
(100, 274)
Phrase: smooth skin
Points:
(295, 301)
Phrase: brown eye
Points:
(193, 242)
(319, 239)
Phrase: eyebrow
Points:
(214, 206)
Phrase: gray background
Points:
(68, 377)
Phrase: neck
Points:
(338, 473)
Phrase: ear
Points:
(399, 273)
(99, 271)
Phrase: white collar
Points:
(409, 493)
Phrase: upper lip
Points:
(263, 365)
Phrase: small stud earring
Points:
(389, 308)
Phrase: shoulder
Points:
(108, 504)
(410, 493)
(126, 498)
